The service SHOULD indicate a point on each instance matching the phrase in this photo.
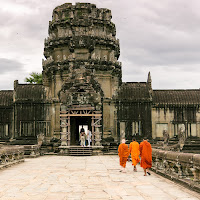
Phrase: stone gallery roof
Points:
(6, 97)
(134, 91)
(176, 97)
(30, 92)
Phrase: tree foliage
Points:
(35, 78)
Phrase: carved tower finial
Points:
(149, 81)
(149, 78)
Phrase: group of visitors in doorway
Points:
(138, 151)
(85, 137)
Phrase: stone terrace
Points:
(96, 177)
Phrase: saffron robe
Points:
(146, 154)
(134, 151)
(123, 153)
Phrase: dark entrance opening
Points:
(76, 123)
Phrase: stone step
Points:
(191, 147)
(79, 147)
(80, 154)
(114, 148)
(110, 153)
(80, 151)
(172, 143)
(173, 140)
(50, 154)
(192, 143)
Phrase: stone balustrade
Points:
(10, 155)
(32, 151)
(178, 166)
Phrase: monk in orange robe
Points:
(123, 153)
(134, 151)
(146, 156)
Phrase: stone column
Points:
(63, 124)
(97, 137)
(93, 141)
(63, 135)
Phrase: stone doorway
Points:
(76, 124)
(75, 115)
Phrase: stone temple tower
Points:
(81, 73)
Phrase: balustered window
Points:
(192, 129)
(43, 127)
(136, 128)
(178, 127)
(160, 127)
(4, 130)
(27, 128)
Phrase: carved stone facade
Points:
(81, 68)
(82, 86)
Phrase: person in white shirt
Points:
(88, 136)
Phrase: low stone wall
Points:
(10, 155)
(181, 167)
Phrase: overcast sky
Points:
(160, 36)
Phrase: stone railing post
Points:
(179, 166)
(196, 167)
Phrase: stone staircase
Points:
(173, 141)
(80, 151)
(110, 148)
(192, 145)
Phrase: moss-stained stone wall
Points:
(6, 114)
(133, 103)
(174, 110)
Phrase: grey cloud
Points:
(154, 35)
(143, 58)
(7, 65)
(179, 14)
(160, 34)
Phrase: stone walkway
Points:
(76, 178)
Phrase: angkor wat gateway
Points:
(82, 86)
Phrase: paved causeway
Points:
(96, 177)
